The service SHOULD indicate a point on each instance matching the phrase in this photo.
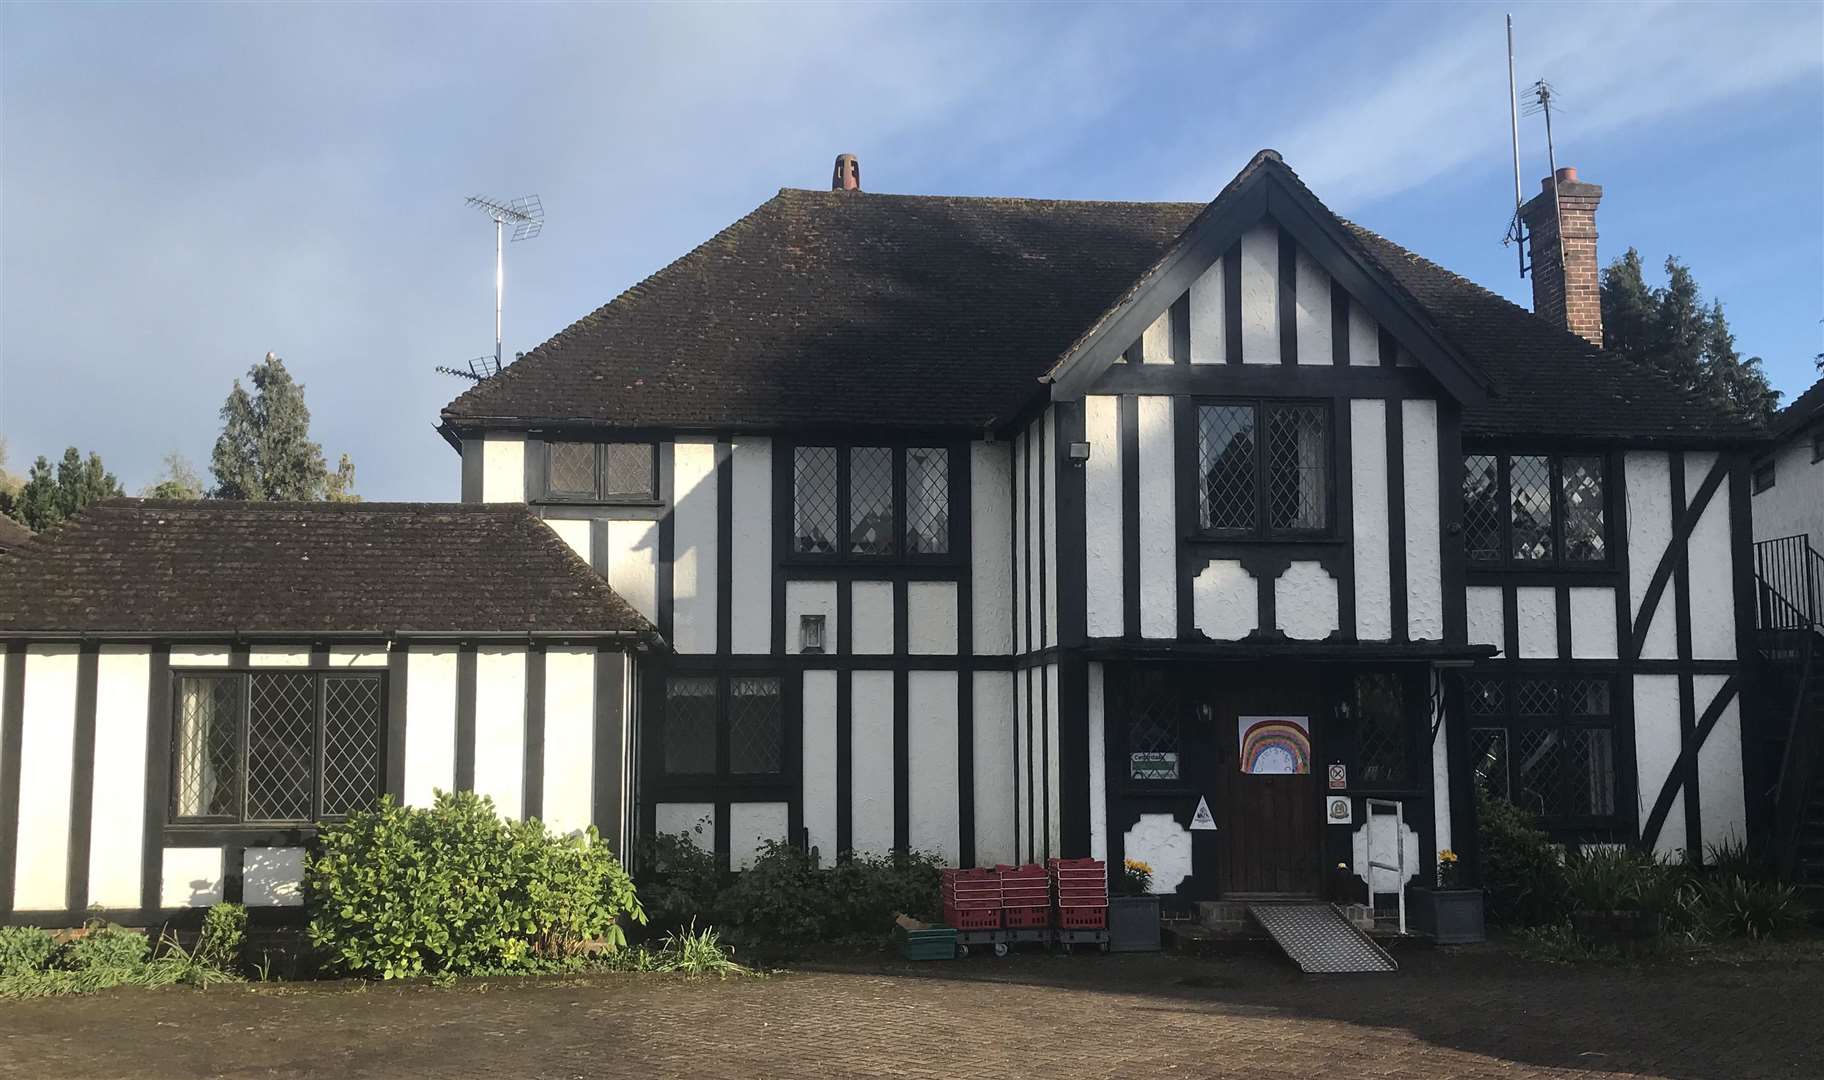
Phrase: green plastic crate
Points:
(932, 943)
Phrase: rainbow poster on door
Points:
(1275, 744)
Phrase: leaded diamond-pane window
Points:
(1486, 698)
(351, 744)
(276, 746)
(1551, 751)
(814, 499)
(872, 527)
(1482, 508)
(1536, 697)
(572, 469)
(1488, 757)
(1380, 727)
(1226, 466)
(1530, 482)
(756, 727)
(208, 747)
(927, 500)
(627, 471)
(1153, 720)
(281, 747)
(1584, 538)
(690, 725)
(1297, 467)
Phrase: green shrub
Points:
(1730, 905)
(697, 952)
(867, 891)
(219, 945)
(781, 902)
(1522, 869)
(1734, 858)
(1623, 879)
(1552, 943)
(25, 949)
(108, 950)
(453, 889)
(678, 879)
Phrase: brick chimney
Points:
(1566, 292)
(847, 175)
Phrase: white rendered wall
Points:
(819, 739)
(1649, 533)
(1163, 844)
(1368, 494)
(1103, 518)
(1424, 546)
(41, 867)
(192, 877)
(118, 804)
(1031, 575)
(357, 656)
(1225, 600)
(572, 531)
(931, 764)
(500, 727)
(1054, 781)
(811, 598)
(750, 826)
(1485, 609)
(871, 761)
(1260, 294)
(278, 657)
(1304, 602)
(1440, 789)
(1593, 634)
(1712, 569)
(1156, 340)
(1538, 617)
(871, 604)
(1720, 786)
(1098, 763)
(1656, 748)
(569, 797)
(272, 877)
(633, 563)
(1364, 338)
(1209, 336)
(990, 525)
(751, 557)
(692, 819)
(430, 724)
(1158, 523)
(1794, 505)
(1313, 293)
(693, 574)
(503, 467)
(931, 618)
(993, 720)
(198, 657)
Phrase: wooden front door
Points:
(1271, 814)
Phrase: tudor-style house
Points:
(1013, 528)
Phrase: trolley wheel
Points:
(962, 952)
(1000, 949)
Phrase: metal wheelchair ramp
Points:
(1319, 939)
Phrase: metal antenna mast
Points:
(527, 216)
(1543, 95)
(1516, 228)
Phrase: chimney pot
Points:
(1566, 175)
(847, 174)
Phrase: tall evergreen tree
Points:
(1670, 329)
(264, 452)
(48, 496)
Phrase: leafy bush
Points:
(25, 949)
(1553, 943)
(107, 949)
(678, 880)
(1734, 858)
(1134, 879)
(781, 902)
(698, 952)
(1622, 879)
(219, 944)
(1522, 869)
(1730, 905)
(453, 889)
(867, 891)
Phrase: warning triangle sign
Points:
(1203, 819)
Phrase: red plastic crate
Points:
(972, 918)
(1076, 864)
(1083, 918)
(1027, 918)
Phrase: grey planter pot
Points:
(1450, 916)
(1133, 923)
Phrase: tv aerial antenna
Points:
(526, 217)
(1540, 96)
(1516, 226)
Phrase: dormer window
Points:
(622, 472)
(1263, 468)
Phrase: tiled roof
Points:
(12, 534)
(1805, 408)
(145, 566)
(846, 307)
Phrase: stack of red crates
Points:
(1025, 897)
(1080, 890)
(972, 899)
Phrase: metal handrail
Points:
(1797, 764)
(1790, 575)
(1399, 840)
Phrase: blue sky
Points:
(185, 188)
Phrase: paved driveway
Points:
(1449, 1013)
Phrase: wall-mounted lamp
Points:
(1079, 453)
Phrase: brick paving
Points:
(1449, 1013)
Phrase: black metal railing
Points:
(1789, 584)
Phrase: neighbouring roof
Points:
(1805, 408)
(168, 567)
(844, 307)
(12, 534)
